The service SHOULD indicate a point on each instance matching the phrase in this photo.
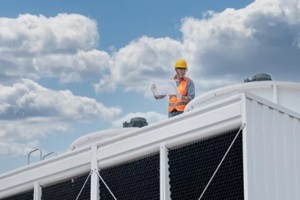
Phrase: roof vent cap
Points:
(136, 122)
(259, 77)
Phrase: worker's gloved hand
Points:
(179, 96)
(153, 88)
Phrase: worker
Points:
(185, 90)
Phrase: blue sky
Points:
(74, 67)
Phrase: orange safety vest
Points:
(174, 102)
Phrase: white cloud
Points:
(77, 67)
(221, 48)
(63, 46)
(18, 137)
(260, 38)
(14, 148)
(29, 111)
(28, 99)
(237, 44)
(140, 61)
(41, 35)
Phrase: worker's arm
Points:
(185, 99)
(153, 89)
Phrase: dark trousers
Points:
(174, 113)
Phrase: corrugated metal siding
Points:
(68, 189)
(192, 165)
(138, 179)
(272, 148)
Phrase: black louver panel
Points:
(68, 190)
(23, 196)
(137, 180)
(192, 166)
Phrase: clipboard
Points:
(168, 87)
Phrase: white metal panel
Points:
(286, 94)
(45, 172)
(37, 194)
(94, 176)
(91, 138)
(182, 129)
(164, 174)
(289, 96)
(201, 123)
(272, 141)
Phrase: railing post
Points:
(95, 193)
(164, 174)
(37, 192)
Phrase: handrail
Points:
(28, 156)
(48, 155)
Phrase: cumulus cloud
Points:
(63, 46)
(39, 34)
(34, 47)
(15, 148)
(29, 111)
(234, 44)
(142, 60)
(221, 48)
(28, 99)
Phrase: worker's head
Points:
(181, 68)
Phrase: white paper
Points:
(166, 88)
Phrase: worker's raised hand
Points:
(153, 88)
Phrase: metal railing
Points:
(28, 156)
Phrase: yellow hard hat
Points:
(180, 63)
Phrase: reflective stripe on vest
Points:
(174, 102)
